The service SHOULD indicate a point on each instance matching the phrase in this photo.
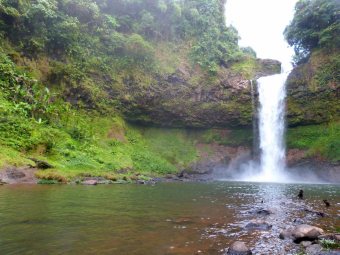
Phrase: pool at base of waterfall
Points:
(167, 218)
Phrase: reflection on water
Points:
(172, 218)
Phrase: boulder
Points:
(333, 237)
(314, 249)
(14, 174)
(286, 234)
(239, 248)
(306, 243)
(305, 232)
(40, 164)
(298, 221)
(258, 225)
(90, 182)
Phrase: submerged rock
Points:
(298, 221)
(239, 248)
(261, 212)
(258, 225)
(317, 213)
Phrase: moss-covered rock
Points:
(193, 98)
(313, 90)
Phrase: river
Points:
(168, 218)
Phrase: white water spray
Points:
(271, 127)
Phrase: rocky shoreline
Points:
(286, 226)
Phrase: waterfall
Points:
(271, 91)
(254, 120)
(263, 31)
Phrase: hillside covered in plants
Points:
(96, 88)
(313, 87)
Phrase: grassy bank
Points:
(319, 140)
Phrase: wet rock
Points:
(261, 212)
(141, 182)
(146, 182)
(305, 232)
(314, 249)
(264, 212)
(329, 253)
(183, 174)
(332, 237)
(298, 221)
(239, 248)
(98, 180)
(317, 213)
(90, 182)
(285, 234)
(258, 225)
(306, 243)
(171, 176)
(40, 164)
(183, 220)
(14, 174)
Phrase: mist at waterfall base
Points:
(267, 161)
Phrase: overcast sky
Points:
(261, 23)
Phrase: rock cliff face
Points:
(187, 99)
(313, 90)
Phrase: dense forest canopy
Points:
(87, 45)
(316, 24)
(124, 29)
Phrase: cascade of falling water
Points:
(254, 120)
(272, 94)
(269, 105)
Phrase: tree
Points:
(316, 24)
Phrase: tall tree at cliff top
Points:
(316, 24)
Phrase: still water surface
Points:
(168, 218)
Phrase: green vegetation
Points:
(316, 24)
(69, 68)
(313, 86)
(234, 137)
(73, 72)
(319, 140)
(329, 244)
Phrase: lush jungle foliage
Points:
(316, 24)
(314, 33)
(120, 32)
(62, 64)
